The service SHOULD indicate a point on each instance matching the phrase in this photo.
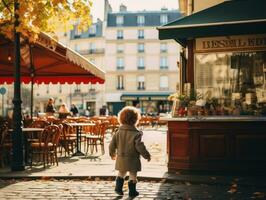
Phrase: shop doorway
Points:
(135, 103)
(115, 107)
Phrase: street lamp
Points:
(17, 163)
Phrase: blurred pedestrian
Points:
(74, 110)
(104, 111)
(50, 109)
(126, 147)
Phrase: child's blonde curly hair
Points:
(129, 115)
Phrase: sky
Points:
(132, 5)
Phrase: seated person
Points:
(63, 111)
(50, 109)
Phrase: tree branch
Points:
(7, 6)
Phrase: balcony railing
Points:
(91, 51)
(163, 67)
(120, 67)
(141, 88)
(77, 36)
(164, 88)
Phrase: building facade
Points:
(140, 69)
(87, 97)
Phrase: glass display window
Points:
(232, 77)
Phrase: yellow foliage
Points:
(44, 15)
(173, 97)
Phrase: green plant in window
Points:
(193, 95)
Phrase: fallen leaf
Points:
(232, 190)
(188, 183)
(45, 178)
(163, 180)
(259, 195)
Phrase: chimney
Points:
(99, 20)
(122, 8)
(107, 9)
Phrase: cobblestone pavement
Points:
(100, 189)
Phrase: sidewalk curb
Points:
(178, 179)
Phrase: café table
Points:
(26, 145)
(79, 127)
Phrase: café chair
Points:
(34, 136)
(67, 139)
(113, 124)
(44, 148)
(5, 145)
(53, 145)
(96, 138)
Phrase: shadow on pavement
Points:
(5, 183)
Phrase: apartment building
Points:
(90, 97)
(140, 69)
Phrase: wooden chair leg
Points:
(95, 142)
(92, 146)
(87, 149)
(44, 160)
(102, 146)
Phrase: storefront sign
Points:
(231, 43)
(159, 98)
(127, 98)
(144, 98)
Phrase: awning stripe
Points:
(210, 24)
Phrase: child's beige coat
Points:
(126, 144)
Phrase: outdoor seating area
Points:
(46, 138)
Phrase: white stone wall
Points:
(151, 55)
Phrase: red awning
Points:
(52, 62)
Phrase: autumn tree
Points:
(44, 15)
(30, 18)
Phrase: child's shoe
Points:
(119, 186)
(132, 189)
